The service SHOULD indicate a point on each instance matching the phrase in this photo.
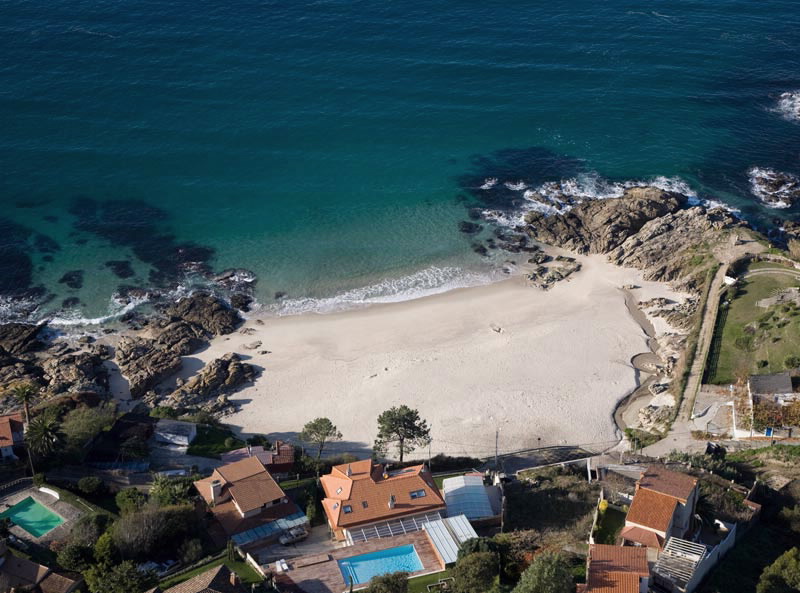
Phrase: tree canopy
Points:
(475, 572)
(548, 573)
(44, 435)
(783, 575)
(403, 427)
(320, 432)
(395, 582)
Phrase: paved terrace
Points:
(320, 573)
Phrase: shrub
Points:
(762, 364)
(548, 573)
(792, 362)
(603, 506)
(475, 572)
(395, 582)
(259, 440)
(91, 485)
(153, 532)
(163, 412)
(124, 577)
(171, 491)
(190, 551)
(783, 575)
(129, 500)
(74, 557)
(230, 443)
(39, 480)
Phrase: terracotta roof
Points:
(651, 509)
(603, 558)
(616, 569)
(8, 426)
(363, 496)
(216, 580)
(642, 536)
(660, 479)
(57, 583)
(21, 571)
(247, 481)
(612, 582)
(232, 521)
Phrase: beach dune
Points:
(544, 368)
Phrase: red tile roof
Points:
(363, 496)
(642, 536)
(9, 425)
(247, 481)
(675, 484)
(615, 569)
(652, 509)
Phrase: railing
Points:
(391, 528)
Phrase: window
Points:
(339, 490)
(347, 509)
(364, 503)
(417, 493)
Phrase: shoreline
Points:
(472, 360)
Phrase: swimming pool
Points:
(33, 517)
(360, 569)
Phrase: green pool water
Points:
(33, 517)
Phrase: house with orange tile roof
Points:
(247, 503)
(663, 506)
(616, 569)
(279, 460)
(11, 435)
(365, 499)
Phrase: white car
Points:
(294, 535)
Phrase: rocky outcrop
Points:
(598, 226)
(207, 312)
(144, 363)
(775, 189)
(18, 338)
(81, 372)
(647, 228)
(209, 389)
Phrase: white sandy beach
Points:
(538, 365)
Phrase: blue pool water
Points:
(360, 569)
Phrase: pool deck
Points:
(65, 510)
(321, 574)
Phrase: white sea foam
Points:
(558, 197)
(426, 282)
(489, 183)
(516, 186)
(73, 317)
(775, 189)
(789, 105)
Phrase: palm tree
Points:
(25, 393)
(43, 436)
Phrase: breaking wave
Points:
(426, 282)
(789, 105)
(774, 188)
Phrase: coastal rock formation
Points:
(144, 363)
(647, 228)
(205, 311)
(598, 226)
(208, 390)
(775, 189)
(76, 373)
(19, 338)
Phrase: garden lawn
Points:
(420, 584)
(753, 340)
(246, 573)
(213, 441)
(609, 524)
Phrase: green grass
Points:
(420, 584)
(438, 480)
(246, 573)
(295, 484)
(609, 524)
(771, 336)
(213, 441)
(79, 502)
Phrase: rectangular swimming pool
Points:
(33, 517)
(360, 569)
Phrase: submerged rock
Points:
(774, 188)
(73, 279)
(470, 228)
(121, 268)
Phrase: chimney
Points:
(391, 501)
(249, 451)
(234, 579)
(349, 471)
(216, 491)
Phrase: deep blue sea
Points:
(332, 147)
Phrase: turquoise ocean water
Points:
(332, 147)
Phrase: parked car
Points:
(294, 535)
